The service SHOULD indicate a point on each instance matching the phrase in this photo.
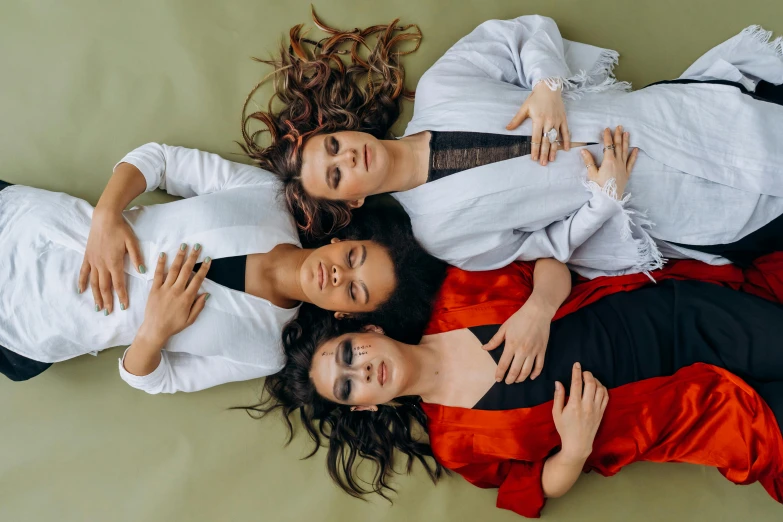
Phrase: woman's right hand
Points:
(110, 238)
(174, 302)
(578, 421)
(617, 163)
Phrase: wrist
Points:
(107, 211)
(573, 455)
(149, 340)
(544, 307)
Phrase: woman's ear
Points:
(372, 328)
(342, 315)
(335, 240)
(364, 408)
(356, 203)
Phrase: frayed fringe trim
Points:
(757, 33)
(649, 257)
(585, 81)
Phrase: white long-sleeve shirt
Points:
(231, 209)
(708, 171)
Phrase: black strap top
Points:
(452, 152)
(228, 272)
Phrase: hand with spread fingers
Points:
(617, 163)
(577, 422)
(550, 127)
(174, 302)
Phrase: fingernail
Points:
(142, 269)
(578, 365)
(197, 246)
(183, 246)
(208, 260)
(497, 379)
(97, 308)
(122, 307)
(106, 311)
(206, 297)
(162, 255)
(78, 290)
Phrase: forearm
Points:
(561, 472)
(143, 356)
(125, 185)
(551, 285)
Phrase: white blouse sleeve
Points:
(522, 52)
(189, 172)
(179, 371)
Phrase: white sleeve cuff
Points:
(150, 383)
(146, 164)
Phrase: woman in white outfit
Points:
(231, 220)
(706, 152)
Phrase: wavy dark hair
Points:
(319, 92)
(418, 275)
(350, 437)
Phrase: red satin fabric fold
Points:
(701, 415)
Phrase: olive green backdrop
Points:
(83, 82)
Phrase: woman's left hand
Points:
(526, 334)
(547, 110)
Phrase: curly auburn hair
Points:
(350, 437)
(321, 93)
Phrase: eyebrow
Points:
(328, 180)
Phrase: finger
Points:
(600, 392)
(95, 285)
(565, 135)
(516, 367)
(519, 117)
(576, 382)
(535, 139)
(557, 404)
(84, 275)
(176, 265)
(589, 391)
(503, 364)
(604, 402)
(159, 270)
(118, 278)
(608, 153)
(545, 145)
(592, 168)
(626, 141)
(132, 246)
(617, 140)
(539, 366)
(631, 161)
(526, 369)
(498, 338)
(553, 151)
(195, 283)
(106, 294)
(198, 306)
(187, 266)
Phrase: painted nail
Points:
(162, 255)
(142, 269)
(183, 246)
(208, 260)
(78, 290)
(97, 308)
(106, 311)
(122, 307)
(197, 246)
(206, 297)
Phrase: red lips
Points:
(321, 276)
(382, 374)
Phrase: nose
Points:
(349, 157)
(367, 372)
(337, 275)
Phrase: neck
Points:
(409, 159)
(281, 272)
(423, 369)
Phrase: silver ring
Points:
(590, 165)
(608, 147)
(535, 143)
(551, 135)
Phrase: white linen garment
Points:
(709, 169)
(232, 210)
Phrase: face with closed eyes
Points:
(348, 276)
(360, 369)
(344, 166)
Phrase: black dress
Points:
(653, 332)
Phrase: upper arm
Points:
(190, 172)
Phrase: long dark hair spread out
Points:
(318, 92)
(351, 437)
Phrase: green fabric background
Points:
(83, 82)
